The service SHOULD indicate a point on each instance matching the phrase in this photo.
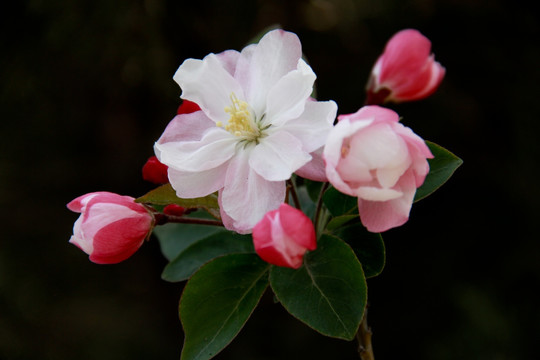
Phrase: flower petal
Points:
(186, 127)
(209, 84)
(314, 170)
(276, 54)
(190, 185)
(216, 147)
(277, 156)
(287, 98)
(246, 195)
(314, 124)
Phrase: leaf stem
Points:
(161, 219)
(319, 205)
(292, 189)
(363, 336)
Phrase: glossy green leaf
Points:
(218, 300)
(313, 188)
(441, 167)
(165, 195)
(328, 292)
(204, 250)
(368, 247)
(339, 221)
(340, 204)
(174, 238)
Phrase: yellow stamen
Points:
(241, 121)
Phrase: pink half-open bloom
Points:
(283, 236)
(257, 126)
(370, 155)
(405, 71)
(111, 227)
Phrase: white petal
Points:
(377, 194)
(276, 54)
(277, 156)
(186, 127)
(287, 99)
(209, 84)
(314, 124)
(190, 185)
(216, 147)
(246, 196)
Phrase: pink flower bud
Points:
(187, 107)
(175, 210)
(405, 71)
(154, 171)
(370, 155)
(283, 236)
(111, 227)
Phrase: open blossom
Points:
(370, 155)
(283, 236)
(405, 71)
(257, 126)
(111, 227)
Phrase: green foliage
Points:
(328, 292)
(368, 247)
(340, 204)
(218, 300)
(205, 249)
(441, 168)
(165, 195)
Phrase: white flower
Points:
(257, 126)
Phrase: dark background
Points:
(86, 88)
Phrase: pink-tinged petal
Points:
(371, 193)
(186, 127)
(229, 59)
(78, 204)
(190, 185)
(298, 226)
(216, 147)
(207, 83)
(373, 113)
(119, 240)
(379, 216)
(287, 98)
(103, 213)
(314, 124)
(283, 236)
(315, 169)
(247, 196)
(276, 54)
(277, 156)
(78, 238)
(405, 53)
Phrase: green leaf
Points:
(174, 238)
(368, 247)
(204, 250)
(340, 204)
(441, 167)
(313, 189)
(218, 300)
(340, 221)
(328, 292)
(165, 195)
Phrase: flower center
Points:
(241, 123)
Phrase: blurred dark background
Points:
(86, 88)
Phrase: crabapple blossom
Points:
(370, 155)
(283, 236)
(405, 71)
(257, 126)
(111, 227)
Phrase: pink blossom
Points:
(257, 126)
(405, 71)
(370, 155)
(283, 236)
(111, 227)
